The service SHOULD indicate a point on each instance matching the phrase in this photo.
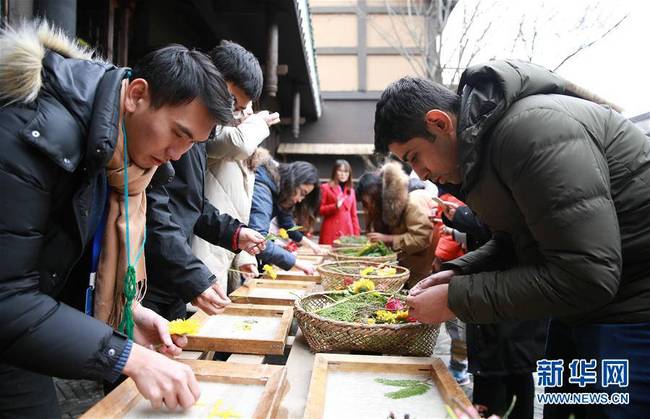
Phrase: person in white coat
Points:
(230, 177)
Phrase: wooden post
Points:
(110, 30)
(123, 36)
(296, 115)
(271, 76)
(5, 12)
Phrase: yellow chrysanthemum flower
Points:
(383, 316)
(367, 271)
(184, 327)
(363, 285)
(283, 234)
(371, 321)
(401, 315)
(270, 271)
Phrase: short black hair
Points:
(239, 66)
(177, 75)
(399, 115)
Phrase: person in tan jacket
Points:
(398, 215)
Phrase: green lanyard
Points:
(130, 283)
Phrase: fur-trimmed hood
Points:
(75, 117)
(395, 193)
(22, 51)
(262, 159)
(261, 156)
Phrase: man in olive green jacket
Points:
(564, 184)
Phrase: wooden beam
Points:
(326, 148)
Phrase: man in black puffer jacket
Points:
(567, 182)
(62, 115)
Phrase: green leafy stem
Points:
(409, 388)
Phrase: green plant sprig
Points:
(409, 388)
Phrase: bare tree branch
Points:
(585, 46)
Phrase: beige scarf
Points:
(109, 285)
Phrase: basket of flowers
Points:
(350, 241)
(337, 276)
(370, 252)
(363, 319)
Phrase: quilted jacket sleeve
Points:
(559, 179)
(39, 333)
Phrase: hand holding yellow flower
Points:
(282, 233)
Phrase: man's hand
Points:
(250, 271)
(162, 380)
(430, 306)
(270, 118)
(442, 277)
(250, 241)
(306, 267)
(380, 237)
(152, 331)
(212, 301)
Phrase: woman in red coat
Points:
(338, 205)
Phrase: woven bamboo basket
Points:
(325, 335)
(337, 255)
(332, 279)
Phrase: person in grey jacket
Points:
(567, 182)
(64, 116)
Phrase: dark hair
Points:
(370, 184)
(239, 66)
(337, 165)
(399, 115)
(177, 75)
(292, 175)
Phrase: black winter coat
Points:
(175, 212)
(53, 187)
(567, 181)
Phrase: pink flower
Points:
(394, 304)
(348, 281)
